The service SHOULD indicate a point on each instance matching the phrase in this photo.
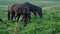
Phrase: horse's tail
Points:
(8, 15)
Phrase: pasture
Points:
(49, 24)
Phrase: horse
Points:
(34, 9)
(16, 10)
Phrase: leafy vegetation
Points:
(49, 24)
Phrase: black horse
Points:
(16, 10)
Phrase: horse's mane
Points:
(31, 4)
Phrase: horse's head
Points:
(39, 12)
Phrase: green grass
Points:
(48, 24)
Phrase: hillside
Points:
(42, 3)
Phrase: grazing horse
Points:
(16, 10)
(34, 9)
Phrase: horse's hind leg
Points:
(8, 15)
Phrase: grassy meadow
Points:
(48, 24)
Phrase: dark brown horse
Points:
(17, 10)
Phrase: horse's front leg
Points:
(18, 18)
(34, 12)
(25, 20)
(28, 17)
